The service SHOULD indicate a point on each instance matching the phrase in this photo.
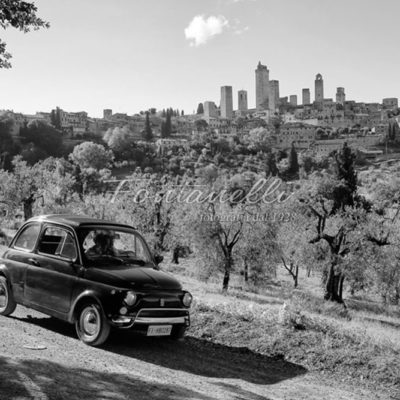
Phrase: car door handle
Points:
(33, 261)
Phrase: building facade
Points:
(301, 135)
(390, 103)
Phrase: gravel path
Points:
(41, 358)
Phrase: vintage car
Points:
(93, 273)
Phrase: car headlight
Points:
(130, 298)
(187, 299)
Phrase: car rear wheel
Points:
(7, 302)
(91, 325)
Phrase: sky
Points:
(130, 55)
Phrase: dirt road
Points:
(40, 358)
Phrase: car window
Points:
(58, 242)
(28, 237)
(109, 242)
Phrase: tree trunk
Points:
(296, 276)
(175, 255)
(334, 285)
(340, 292)
(291, 267)
(28, 205)
(246, 270)
(397, 296)
(227, 274)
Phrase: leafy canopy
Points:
(20, 15)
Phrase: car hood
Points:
(134, 277)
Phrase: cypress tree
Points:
(53, 118)
(58, 118)
(168, 125)
(344, 167)
(163, 130)
(148, 132)
(293, 167)
(272, 168)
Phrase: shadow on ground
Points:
(41, 379)
(192, 355)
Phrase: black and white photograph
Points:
(199, 200)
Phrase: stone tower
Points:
(293, 100)
(306, 97)
(242, 100)
(107, 113)
(319, 89)
(273, 95)
(340, 95)
(210, 110)
(262, 86)
(226, 102)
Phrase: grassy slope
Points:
(355, 345)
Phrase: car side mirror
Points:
(158, 259)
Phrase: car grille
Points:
(159, 301)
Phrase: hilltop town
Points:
(316, 128)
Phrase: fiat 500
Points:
(95, 274)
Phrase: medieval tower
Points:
(319, 89)
(242, 100)
(273, 97)
(340, 95)
(306, 97)
(262, 86)
(226, 102)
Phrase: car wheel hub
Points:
(90, 322)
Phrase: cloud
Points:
(201, 29)
(239, 31)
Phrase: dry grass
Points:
(359, 343)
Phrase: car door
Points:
(19, 255)
(51, 275)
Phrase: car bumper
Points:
(147, 317)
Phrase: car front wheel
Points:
(178, 333)
(91, 325)
(7, 302)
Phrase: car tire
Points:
(7, 302)
(178, 333)
(91, 325)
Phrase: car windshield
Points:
(106, 245)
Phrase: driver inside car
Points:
(103, 246)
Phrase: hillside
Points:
(358, 346)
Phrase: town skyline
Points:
(104, 63)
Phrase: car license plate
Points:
(159, 330)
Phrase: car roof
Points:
(76, 221)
